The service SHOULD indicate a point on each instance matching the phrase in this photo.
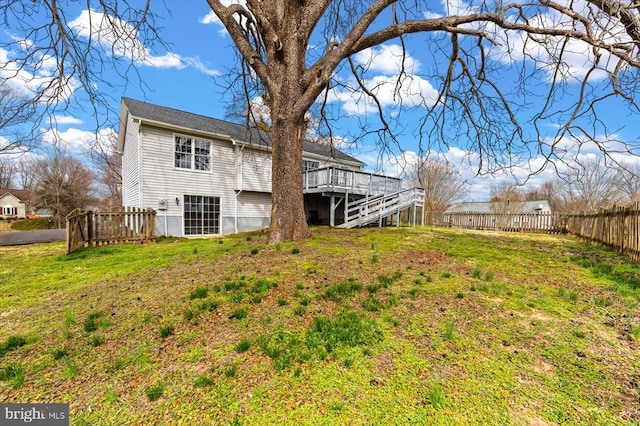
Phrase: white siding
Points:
(131, 166)
(162, 180)
(254, 204)
(255, 174)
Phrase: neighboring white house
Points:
(13, 203)
(206, 176)
(532, 215)
(514, 207)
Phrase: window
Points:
(310, 179)
(201, 215)
(309, 165)
(9, 211)
(192, 153)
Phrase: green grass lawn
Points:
(366, 326)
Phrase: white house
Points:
(207, 176)
(13, 203)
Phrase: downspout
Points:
(239, 153)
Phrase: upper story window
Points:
(309, 165)
(192, 153)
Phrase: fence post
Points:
(89, 216)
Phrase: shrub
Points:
(295, 250)
(254, 251)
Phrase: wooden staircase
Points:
(374, 209)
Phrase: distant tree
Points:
(547, 191)
(63, 184)
(590, 185)
(8, 171)
(442, 183)
(629, 181)
(107, 163)
(507, 198)
(26, 173)
(16, 132)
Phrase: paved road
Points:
(31, 237)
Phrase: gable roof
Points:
(490, 207)
(169, 117)
(20, 194)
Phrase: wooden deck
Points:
(333, 180)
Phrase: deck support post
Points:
(332, 212)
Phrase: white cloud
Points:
(387, 59)
(390, 87)
(212, 18)
(121, 39)
(65, 119)
(410, 90)
(38, 78)
(74, 140)
(577, 56)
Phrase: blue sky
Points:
(189, 74)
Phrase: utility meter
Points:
(162, 204)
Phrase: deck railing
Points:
(334, 179)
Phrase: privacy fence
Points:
(110, 226)
(509, 222)
(618, 227)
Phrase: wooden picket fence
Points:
(110, 226)
(618, 227)
(549, 223)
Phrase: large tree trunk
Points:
(288, 221)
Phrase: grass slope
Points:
(367, 326)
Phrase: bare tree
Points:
(440, 180)
(7, 172)
(629, 181)
(295, 50)
(63, 183)
(589, 186)
(26, 173)
(107, 164)
(507, 199)
(15, 112)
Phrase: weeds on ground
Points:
(154, 392)
(14, 374)
(12, 343)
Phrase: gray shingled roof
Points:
(238, 132)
